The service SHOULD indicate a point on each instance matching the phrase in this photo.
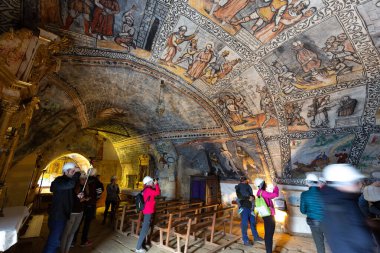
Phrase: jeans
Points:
(269, 227)
(144, 230)
(56, 228)
(68, 234)
(113, 208)
(317, 233)
(246, 216)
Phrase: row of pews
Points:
(179, 224)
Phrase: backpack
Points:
(261, 206)
(140, 203)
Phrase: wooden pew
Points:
(177, 218)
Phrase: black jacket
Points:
(344, 224)
(243, 192)
(62, 188)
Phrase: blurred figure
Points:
(150, 191)
(80, 195)
(371, 195)
(343, 223)
(245, 198)
(311, 205)
(269, 221)
(112, 198)
(62, 188)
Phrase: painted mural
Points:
(312, 155)
(229, 159)
(343, 108)
(193, 54)
(370, 12)
(262, 19)
(114, 24)
(370, 159)
(254, 109)
(317, 58)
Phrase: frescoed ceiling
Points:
(288, 71)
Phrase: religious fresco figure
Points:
(293, 114)
(228, 11)
(214, 68)
(292, 15)
(308, 60)
(318, 110)
(79, 8)
(50, 12)
(228, 162)
(200, 63)
(266, 105)
(104, 18)
(264, 15)
(215, 164)
(247, 161)
(190, 53)
(174, 40)
(126, 37)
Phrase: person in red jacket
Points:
(151, 190)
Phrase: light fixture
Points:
(160, 109)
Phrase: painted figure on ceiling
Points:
(190, 53)
(104, 18)
(228, 11)
(266, 105)
(347, 106)
(318, 110)
(308, 59)
(247, 160)
(50, 12)
(215, 164)
(286, 78)
(216, 67)
(293, 114)
(201, 62)
(79, 8)
(342, 157)
(126, 37)
(292, 15)
(228, 162)
(264, 15)
(174, 40)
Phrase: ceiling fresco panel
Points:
(370, 159)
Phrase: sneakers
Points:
(140, 250)
(259, 240)
(86, 244)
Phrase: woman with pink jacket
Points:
(151, 190)
(269, 221)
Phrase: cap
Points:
(147, 180)
(258, 182)
(68, 166)
(311, 179)
(341, 174)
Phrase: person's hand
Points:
(80, 195)
(155, 181)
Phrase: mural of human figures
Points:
(370, 160)
(311, 61)
(263, 19)
(77, 8)
(126, 37)
(312, 155)
(194, 54)
(104, 18)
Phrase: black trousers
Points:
(88, 215)
(113, 208)
(269, 227)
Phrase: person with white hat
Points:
(269, 221)
(150, 191)
(343, 223)
(312, 206)
(62, 188)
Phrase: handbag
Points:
(261, 207)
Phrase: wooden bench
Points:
(205, 223)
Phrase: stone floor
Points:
(105, 240)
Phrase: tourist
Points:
(62, 189)
(311, 205)
(112, 198)
(245, 200)
(269, 221)
(150, 191)
(80, 196)
(343, 223)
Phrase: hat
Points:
(147, 180)
(258, 182)
(311, 177)
(341, 174)
(371, 193)
(68, 166)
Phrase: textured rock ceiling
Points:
(291, 71)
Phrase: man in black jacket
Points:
(246, 198)
(62, 189)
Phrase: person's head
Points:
(244, 180)
(69, 169)
(311, 180)
(148, 181)
(259, 183)
(113, 179)
(208, 46)
(344, 177)
(182, 30)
